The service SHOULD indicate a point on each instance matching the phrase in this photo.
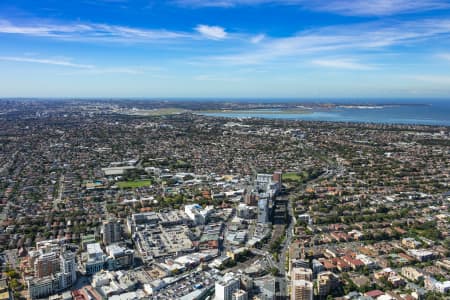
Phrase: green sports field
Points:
(133, 184)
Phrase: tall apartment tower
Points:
(278, 178)
(226, 287)
(326, 281)
(46, 264)
(112, 231)
(263, 211)
(302, 290)
(54, 269)
(251, 198)
(301, 274)
(68, 269)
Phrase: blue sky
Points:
(303, 49)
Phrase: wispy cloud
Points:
(96, 2)
(343, 7)
(216, 3)
(436, 79)
(353, 38)
(94, 32)
(89, 32)
(376, 7)
(212, 32)
(347, 64)
(257, 38)
(46, 61)
(214, 77)
(86, 68)
(445, 56)
(117, 70)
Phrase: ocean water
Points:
(429, 114)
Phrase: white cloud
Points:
(94, 32)
(214, 77)
(348, 64)
(89, 32)
(45, 61)
(351, 38)
(445, 56)
(220, 3)
(117, 70)
(91, 69)
(436, 79)
(211, 32)
(342, 7)
(257, 38)
(376, 7)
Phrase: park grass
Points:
(157, 112)
(293, 176)
(133, 184)
(256, 111)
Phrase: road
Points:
(60, 192)
(282, 280)
(283, 292)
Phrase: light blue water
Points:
(433, 114)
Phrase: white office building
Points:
(197, 214)
(226, 287)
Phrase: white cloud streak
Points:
(85, 68)
(223, 3)
(258, 38)
(89, 32)
(347, 64)
(220, 78)
(92, 32)
(445, 56)
(376, 7)
(342, 7)
(353, 38)
(46, 61)
(435, 79)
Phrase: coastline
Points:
(431, 115)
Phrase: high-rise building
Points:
(263, 181)
(301, 290)
(54, 269)
(68, 269)
(326, 281)
(239, 295)
(266, 287)
(119, 257)
(93, 260)
(251, 198)
(263, 211)
(226, 287)
(297, 263)
(301, 274)
(278, 178)
(46, 264)
(112, 231)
